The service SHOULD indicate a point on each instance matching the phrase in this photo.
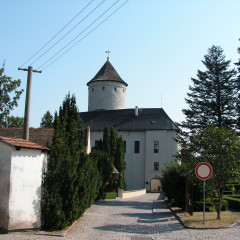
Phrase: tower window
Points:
(103, 88)
(92, 89)
(115, 89)
(123, 90)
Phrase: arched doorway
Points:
(155, 185)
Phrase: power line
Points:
(68, 32)
(57, 33)
(86, 35)
(81, 34)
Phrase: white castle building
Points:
(148, 133)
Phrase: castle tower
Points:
(106, 91)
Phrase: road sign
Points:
(203, 171)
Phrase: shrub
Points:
(173, 185)
(233, 202)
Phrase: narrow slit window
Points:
(137, 147)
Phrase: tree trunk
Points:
(219, 207)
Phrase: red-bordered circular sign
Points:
(203, 171)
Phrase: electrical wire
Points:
(57, 33)
(81, 34)
(85, 35)
(68, 32)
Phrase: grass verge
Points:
(227, 219)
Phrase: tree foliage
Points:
(173, 184)
(47, 120)
(221, 149)
(9, 95)
(213, 97)
(72, 179)
(14, 122)
(112, 149)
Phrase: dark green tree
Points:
(105, 167)
(173, 184)
(113, 141)
(47, 120)
(213, 97)
(238, 106)
(9, 95)
(119, 162)
(61, 182)
(14, 122)
(106, 140)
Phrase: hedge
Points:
(233, 202)
(209, 206)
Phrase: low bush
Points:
(233, 202)
(209, 205)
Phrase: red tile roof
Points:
(21, 143)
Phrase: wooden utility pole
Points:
(27, 101)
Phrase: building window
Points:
(156, 146)
(123, 90)
(103, 88)
(124, 146)
(115, 89)
(137, 147)
(92, 89)
(156, 166)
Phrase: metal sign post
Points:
(203, 171)
(204, 201)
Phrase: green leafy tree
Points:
(213, 97)
(9, 95)
(14, 122)
(47, 120)
(221, 149)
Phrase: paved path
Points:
(140, 218)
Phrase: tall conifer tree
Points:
(213, 98)
(60, 188)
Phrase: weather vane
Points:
(108, 52)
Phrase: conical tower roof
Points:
(107, 73)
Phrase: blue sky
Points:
(156, 47)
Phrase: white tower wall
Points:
(107, 95)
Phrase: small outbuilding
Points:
(22, 164)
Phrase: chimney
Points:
(136, 111)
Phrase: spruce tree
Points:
(238, 106)
(47, 120)
(213, 98)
